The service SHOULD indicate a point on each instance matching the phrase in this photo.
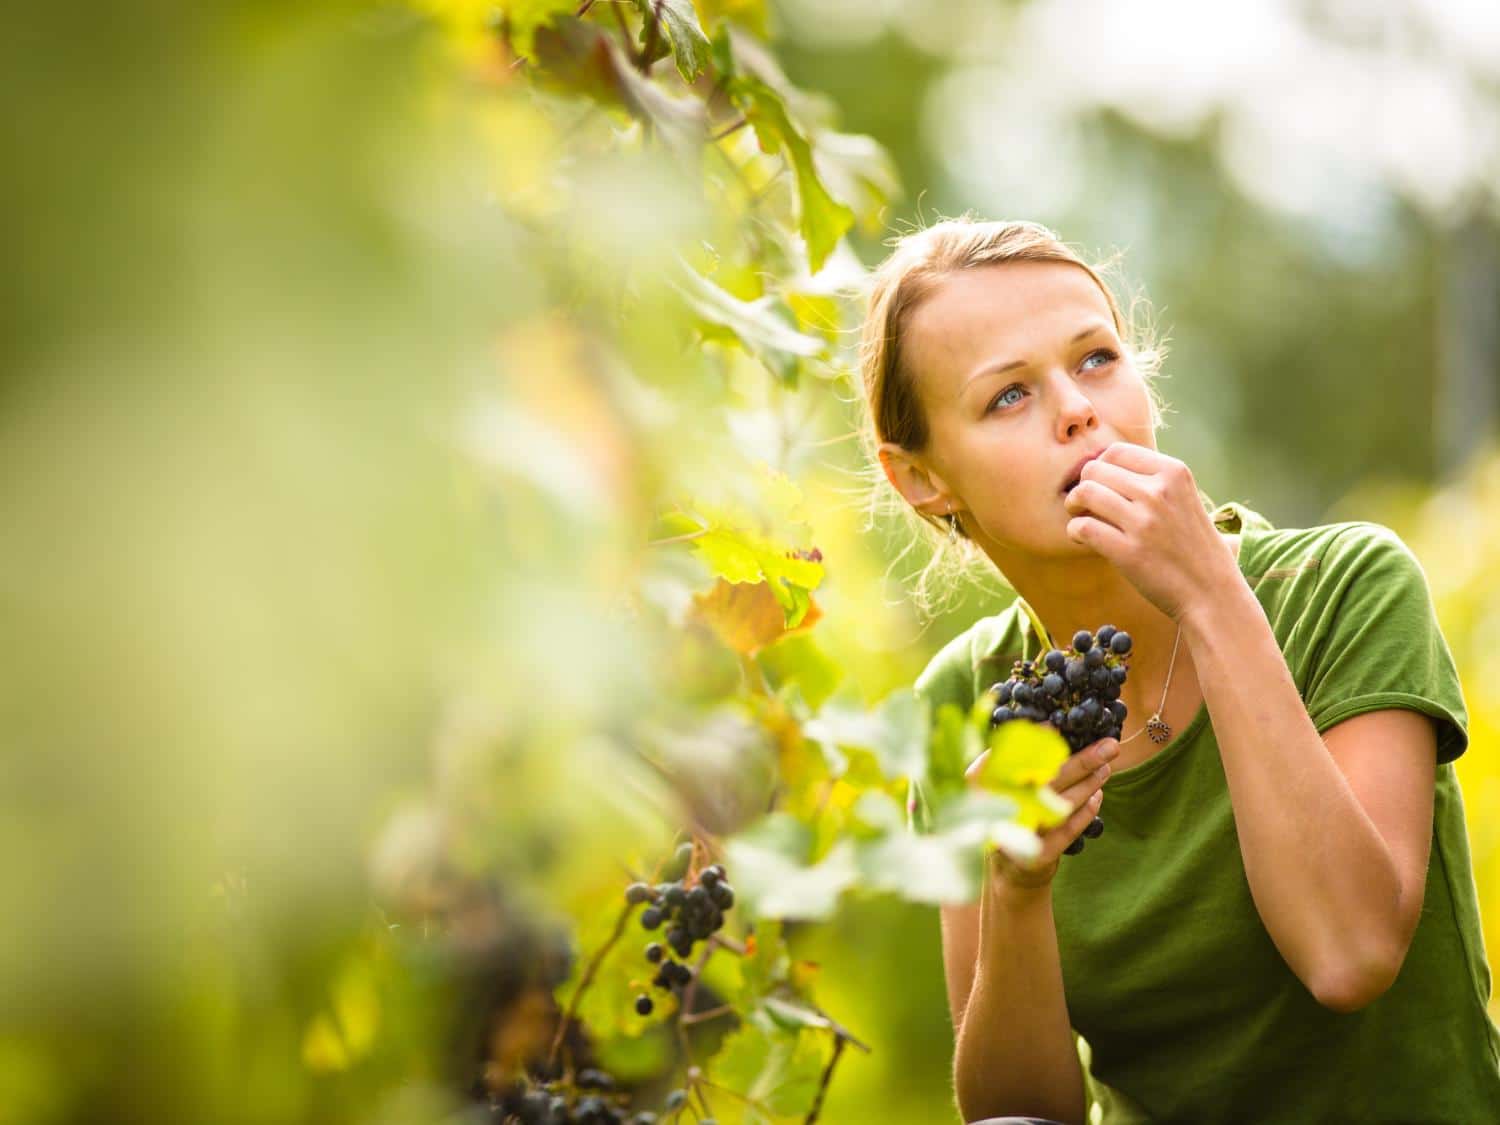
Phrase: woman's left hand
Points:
(1140, 509)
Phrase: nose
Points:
(1075, 410)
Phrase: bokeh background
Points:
(345, 382)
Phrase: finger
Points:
(972, 773)
(1105, 538)
(1078, 766)
(1136, 458)
(1081, 790)
(1095, 498)
(1127, 482)
(1061, 835)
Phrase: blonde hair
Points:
(919, 261)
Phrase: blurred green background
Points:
(345, 374)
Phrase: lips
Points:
(1076, 472)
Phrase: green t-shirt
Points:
(1188, 1011)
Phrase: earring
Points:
(952, 524)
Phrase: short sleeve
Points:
(948, 678)
(1377, 643)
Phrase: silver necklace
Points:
(1157, 726)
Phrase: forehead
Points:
(996, 314)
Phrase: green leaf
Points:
(932, 869)
(775, 1068)
(797, 658)
(792, 1016)
(773, 878)
(679, 19)
(524, 18)
(822, 220)
(1023, 759)
(607, 1008)
(896, 732)
(738, 554)
(952, 745)
(757, 325)
(858, 170)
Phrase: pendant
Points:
(1157, 729)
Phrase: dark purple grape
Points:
(1077, 672)
(1052, 685)
(654, 952)
(637, 893)
(643, 1005)
(1083, 640)
(651, 917)
(1095, 829)
(1075, 847)
(1001, 715)
(1105, 635)
(1056, 660)
(1119, 711)
(1094, 658)
(1119, 644)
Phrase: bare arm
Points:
(1334, 830)
(1015, 1053)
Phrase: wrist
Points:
(1225, 603)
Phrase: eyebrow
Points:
(997, 368)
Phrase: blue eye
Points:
(999, 399)
(1108, 356)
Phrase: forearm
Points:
(1322, 878)
(1015, 1053)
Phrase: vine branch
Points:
(585, 981)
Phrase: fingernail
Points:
(1103, 771)
(1109, 750)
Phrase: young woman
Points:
(1280, 922)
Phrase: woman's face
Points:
(1004, 440)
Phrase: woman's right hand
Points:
(1080, 781)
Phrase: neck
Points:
(1074, 594)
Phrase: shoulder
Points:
(1326, 557)
(954, 669)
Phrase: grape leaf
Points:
(679, 20)
(858, 170)
(1023, 759)
(797, 659)
(772, 875)
(746, 616)
(607, 1007)
(822, 219)
(895, 731)
(738, 554)
(775, 1068)
(524, 17)
(757, 325)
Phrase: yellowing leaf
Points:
(1024, 758)
(323, 1052)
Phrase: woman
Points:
(1280, 921)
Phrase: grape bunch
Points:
(1076, 692)
(686, 915)
(593, 1101)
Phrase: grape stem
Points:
(689, 994)
(585, 981)
(1037, 626)
(728, 943)
(707, 1014)
(817, 1106)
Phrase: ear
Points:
(921, 487)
